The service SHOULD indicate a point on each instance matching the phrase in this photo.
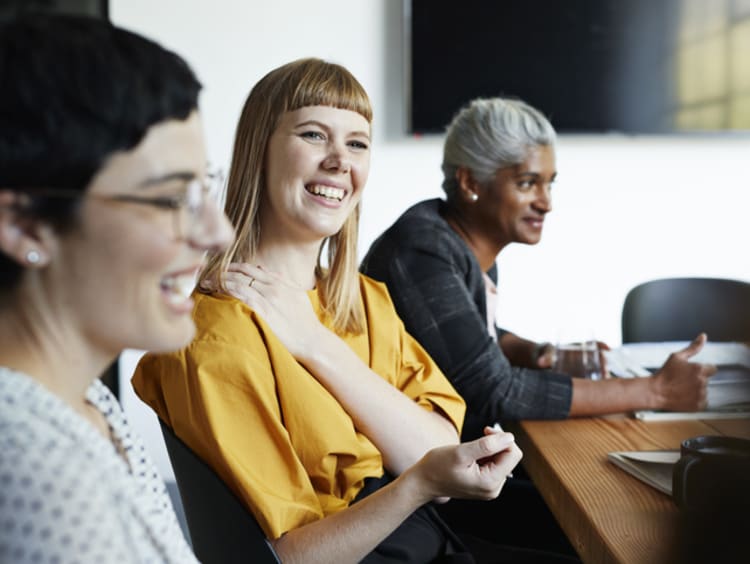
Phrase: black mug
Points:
(711, 466)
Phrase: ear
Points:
(22, 238)
(468, 188)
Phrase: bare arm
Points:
(520, 351)
(680, 385)
(475, 470)
(401, 430)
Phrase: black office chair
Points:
(223, 531)
(677, 309)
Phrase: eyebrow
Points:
(184, 176)
(327, 128)
(535, 174)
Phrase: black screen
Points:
(641, 66)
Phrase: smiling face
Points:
(123, 274)
(317, 163)
(511, 207)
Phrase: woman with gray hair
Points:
(490, 134)
(438, 261)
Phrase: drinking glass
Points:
(579, 359)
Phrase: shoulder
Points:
(377, 300)
(375, 296)
(227, 333)
(229, 336)
(32, 420)
(224, 321)
(422, 217)
(218, 316)
(371, 289)
(46, 474)
(421, 230)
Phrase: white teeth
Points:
(328, 192)
(178, 288)
(175, 299)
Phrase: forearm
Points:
(349, 535)
(613, 395)
(519, 351)
(402, 430)
(475, 470)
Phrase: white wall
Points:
(626, 208)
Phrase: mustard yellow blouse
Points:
(282, 443)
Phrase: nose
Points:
(212, 231)
(336, 160)
(543, 202)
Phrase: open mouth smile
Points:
(177, 288)
(328, 192)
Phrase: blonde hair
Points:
(301, 83)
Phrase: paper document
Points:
(653, 467)
(635, 359)
(728, 393)
(735, 413)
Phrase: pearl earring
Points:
(474, 197)
(33, 257)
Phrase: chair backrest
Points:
(677, 309)
(222, 530)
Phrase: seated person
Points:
(302, 389)
(103, 209)
(438, 262)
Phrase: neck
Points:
(294, 262)
(37, 342)
(484, 248)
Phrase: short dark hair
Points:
(74, 91)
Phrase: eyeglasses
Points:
(188, 207)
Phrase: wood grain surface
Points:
(608, 515)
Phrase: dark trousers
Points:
(519, 518)
(426, 537)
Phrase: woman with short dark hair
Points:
(105, 215)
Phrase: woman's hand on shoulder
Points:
(286, 308)
(473, 470)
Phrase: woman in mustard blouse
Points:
(302, 389)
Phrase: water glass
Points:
(578, 359)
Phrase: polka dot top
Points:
(66, 495)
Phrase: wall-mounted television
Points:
(592, 66)
(93, 8)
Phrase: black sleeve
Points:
(426, 277)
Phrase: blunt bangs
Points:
(319, 83)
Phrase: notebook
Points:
(728, 393)
(653, 467)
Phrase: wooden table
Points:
(608, 515)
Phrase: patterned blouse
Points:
(67, 495)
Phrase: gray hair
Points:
(489, 134)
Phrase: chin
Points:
(531, 239)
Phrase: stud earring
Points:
(33, 257)
(474, 197)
